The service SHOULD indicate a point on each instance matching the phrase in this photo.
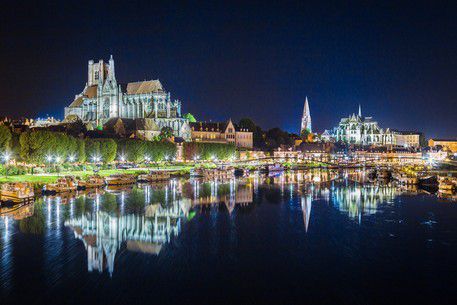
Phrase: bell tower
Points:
(306, 118)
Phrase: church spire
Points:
(306, 118)
(111, 74)
(360, 111)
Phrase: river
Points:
(257, 240)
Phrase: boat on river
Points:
(93, 181)
(63, 184)
(154, 176)
(17, 192)
(120, 179)
(275, 168)
(446, 184)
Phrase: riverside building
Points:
(103, 98)
(360, 130)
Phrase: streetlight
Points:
(6, 158)
(71, 158)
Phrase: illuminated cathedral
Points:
(103, 98)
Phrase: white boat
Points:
(275, 168)
(93, 181)
(17, 191)
(63, 184)
(120, 179)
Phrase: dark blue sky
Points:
(236, 60)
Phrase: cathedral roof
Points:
(89, 92)
(144, 87)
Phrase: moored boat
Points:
(63, 184)
(120, 179)
(17, 192)
(275, 168)
(93, 181)
(446, 184)
(154, 176)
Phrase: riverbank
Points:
(49, 178)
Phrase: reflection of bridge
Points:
(103, 234)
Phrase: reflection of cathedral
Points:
(359, 200)
(103, 234)
(103, 99)
(235, 194)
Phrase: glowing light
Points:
(71, 158)
(6, 156)
(49, 158)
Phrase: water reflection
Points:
(146, 217)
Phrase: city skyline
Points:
(396, 61)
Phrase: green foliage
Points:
(190, 117)
(166, 133)
(209, 151)
(92, 149)
(5, 138)
(108, 150)
(36, 145)
(81, 150)
(159, 151)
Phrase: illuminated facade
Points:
(103, 98)
(306, 118)
(360, 130)
(225, 132)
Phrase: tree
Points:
(81, 150)
(190, 117)
(92, 148)
(166, 132)
(5, 138)
(108, 150)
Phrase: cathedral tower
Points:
(306, 118)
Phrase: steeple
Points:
(306, 118)
(111, 74)
(360, 111)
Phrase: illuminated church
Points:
(360, 130)
(103, 98)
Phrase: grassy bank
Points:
(49, 178)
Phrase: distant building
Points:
(306, 118)
(103, 98)
(221, 132)
(449, 144)
(409, 139)
(360, 130)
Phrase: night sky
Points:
(236, 60)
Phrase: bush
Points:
(209, 151)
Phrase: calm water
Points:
(251, 241)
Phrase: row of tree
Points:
(47, 146)
(208, 151)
